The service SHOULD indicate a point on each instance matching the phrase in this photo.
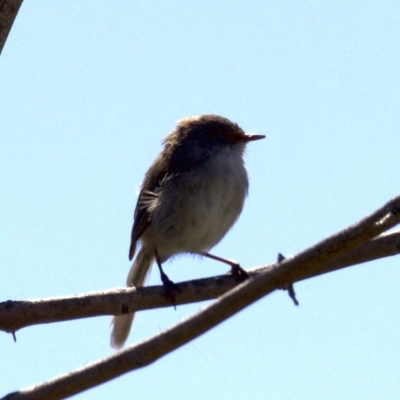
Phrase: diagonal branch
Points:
(8, 12)
(15, 315)
(296, 268)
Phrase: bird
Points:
(190, 197)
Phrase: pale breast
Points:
(195, 210)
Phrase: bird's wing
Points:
(146, 206)
(142, 220)
(161, 171)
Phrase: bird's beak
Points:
(252, 136)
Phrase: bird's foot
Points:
(170, 288)
(239, 273)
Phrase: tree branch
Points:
(8, 12)
(15, 315)
(306, 263)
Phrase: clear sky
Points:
(89, 89)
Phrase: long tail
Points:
(136, 277)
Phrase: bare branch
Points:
(15, 315)
(8, 12)
(296, 268)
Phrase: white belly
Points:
(195, 210)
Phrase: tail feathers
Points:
(122, 327)
(136, 277)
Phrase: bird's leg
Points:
(169, 286)
(237, 271)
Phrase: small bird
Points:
(190, 197)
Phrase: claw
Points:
(239, 273)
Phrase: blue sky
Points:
(88, 91)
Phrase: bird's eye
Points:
(220, 137)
